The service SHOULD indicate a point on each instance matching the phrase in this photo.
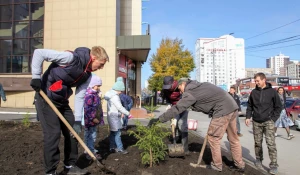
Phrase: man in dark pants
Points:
(237, 100)
(172, 96)
(68, 69)
(264, 107)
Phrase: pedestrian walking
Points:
(283, 121)
(210, 99)
(172, 95)
(68, 69)
(2, 94)
(264, 107)
(237, 100)
(115, 111)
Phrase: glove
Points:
(168, 107)
(36, 84)
(130, 116)
(153, 121)
(77, 127)
(173, 122)
(96, 121)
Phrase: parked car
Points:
(292, 106)
(297, 122)
(244, 106)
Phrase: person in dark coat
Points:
(127, 103)
(172, 96)
(237, 100)
(68, 69)
(264, 107)
(2, 93)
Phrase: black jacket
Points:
(202, 97)
(237, 99)
(263, 104)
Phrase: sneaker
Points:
(121, 151)
(98, 156)
(273, 170)
(74, 170)
(275, 134)
(112, 150)
(187, 153)
(258, 164)
(52, 173)
(240, 135)
(213, 167)
(238, 169)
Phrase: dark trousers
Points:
(52, 127)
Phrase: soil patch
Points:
(21, 153)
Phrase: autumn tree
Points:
(170, 59)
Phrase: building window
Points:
(21, 32)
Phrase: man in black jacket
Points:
(264, 107)
(210, 99)
(237, 100)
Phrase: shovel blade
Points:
(176, 150)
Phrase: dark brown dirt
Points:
(21, 153)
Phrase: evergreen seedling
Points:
(150, 142)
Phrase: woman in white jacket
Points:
(115, 111)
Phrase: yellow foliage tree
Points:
(170, 59)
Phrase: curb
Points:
(6, 112)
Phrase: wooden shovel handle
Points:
(202, 150)
(61, 117)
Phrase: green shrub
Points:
(150, 141)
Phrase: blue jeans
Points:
(115, 140)
(90, 135)
(125, 120)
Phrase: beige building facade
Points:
(68, 24)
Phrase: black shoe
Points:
(112, 150)
(74, 170)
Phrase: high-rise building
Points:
(250, 72)
(293, 69)
(278, 63)
(220, 61)
(65, 25)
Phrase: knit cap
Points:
(95, 81)
(119, 85)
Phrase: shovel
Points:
(45, 97)
(175, 150)
(201, 155)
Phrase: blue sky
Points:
(192, 19)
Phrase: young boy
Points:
(114, 106)
(127, 103)
(68, 69)
(93, 114)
